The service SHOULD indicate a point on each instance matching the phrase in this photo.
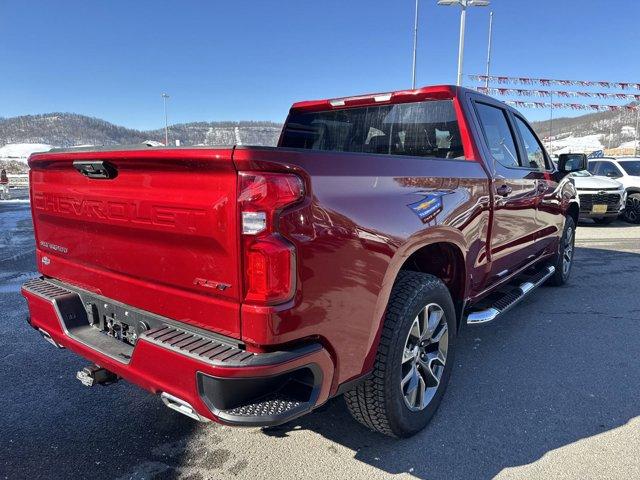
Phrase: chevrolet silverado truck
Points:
(249, 285)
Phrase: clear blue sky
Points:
(250, 59)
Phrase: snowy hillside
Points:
(586, 133)
(21, 136)
(21, 151)
(69, 129)
(571, 143)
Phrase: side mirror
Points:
(572, 162)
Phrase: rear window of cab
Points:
(422, 129)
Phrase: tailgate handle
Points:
(96, 169)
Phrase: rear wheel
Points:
(631, 211)
(414, 359)
(564, 258)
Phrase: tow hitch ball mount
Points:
(96, 375)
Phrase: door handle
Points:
(504, 190)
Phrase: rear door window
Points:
(423, 129)
(498, 134)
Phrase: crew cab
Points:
(248, 285)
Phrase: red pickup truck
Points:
(248, 285)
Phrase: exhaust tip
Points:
(180, 406)
(48, 338)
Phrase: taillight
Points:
(269, 259)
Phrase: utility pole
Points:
(166, 124)
(486, 82)
(415, 46)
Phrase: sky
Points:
(250, 59)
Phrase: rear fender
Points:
(439, 234)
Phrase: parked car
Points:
(627, 172)
(601, 199)
(248, 285)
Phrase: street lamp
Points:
(463, 16)
(415, 45)
(166, 125)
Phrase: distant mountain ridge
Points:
(69, 129)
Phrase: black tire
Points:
(604, 220)
(379, 403)
(631, 212)
(566, 249)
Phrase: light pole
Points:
(463, 18)
(415, 46)
(635, 151)
(166, 125)
(486, 82)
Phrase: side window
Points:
(608, 169)
(498, 135)
(593, 167)
(535, 151)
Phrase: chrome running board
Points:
(506, 302)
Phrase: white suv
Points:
(627, 172)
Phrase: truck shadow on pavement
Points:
(560, 367)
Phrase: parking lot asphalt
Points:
(549, 391)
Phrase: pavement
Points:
(549, 391)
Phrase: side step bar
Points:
(506, 302)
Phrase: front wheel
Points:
(414, 359)
(631, 212)
(564, 258)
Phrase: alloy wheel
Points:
(632, 209)
(424, 357)
(567, 253)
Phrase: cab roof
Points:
(442, 92)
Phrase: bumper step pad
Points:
(268, 407)
(193, 344)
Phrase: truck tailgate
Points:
(160, 235)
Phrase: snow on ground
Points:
(571, 144)
(21, 151)
(630, 144)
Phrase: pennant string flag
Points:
(571, 106)
(502, 80)
(557, 93)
